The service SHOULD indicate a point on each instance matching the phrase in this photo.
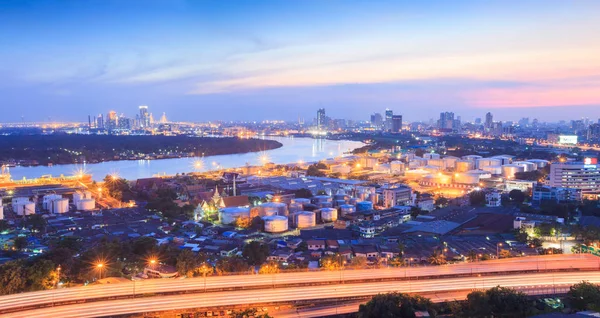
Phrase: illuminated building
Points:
(144, 117)
(321, 124)
(396, 123)
(388, 119)
(584, 176)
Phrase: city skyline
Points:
(205, 61)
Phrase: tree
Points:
(495, 302)
(395, 305)
(12, 277)
(37, 222)
(4, 226)
(232, 264)
(314, 171)
(42, 274)
(247, 313)
(584, 296)
(332, 262)
(256, 252)
(116, 186)
(243, 222)
(504, 253)
(186, 263)
(20, 243)
(517, 196)
(437, 258)
(477, 198)
(269, 268)
(358, 262)
(441, 201)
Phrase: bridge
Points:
(151, 296)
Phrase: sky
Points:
(267, 60)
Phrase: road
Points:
(306, 293)
(153, 286)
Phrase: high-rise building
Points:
(489, 120)
(478, 121)
(376, 121)
(584, 176)
(446, 120)
(144, 117)
(388, 119)
(321, 124)
(112, 120)
(396, 123)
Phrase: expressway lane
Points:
(252, 281)
(286, 294)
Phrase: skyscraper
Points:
(396, 123)
(489, 120)
(376, 121)
(388, 119)
(446, 120)
(321, 119)
(144, 117)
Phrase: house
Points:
(332, 244)
(367, 229)
(314, 245)
(367, 251)
(280, 255)
(493, 199)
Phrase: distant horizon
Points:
(280, 60)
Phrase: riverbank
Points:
(35, 150)
(293, 150)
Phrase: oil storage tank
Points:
(329, 215)
(230, 215)
(24, 208)
(347, 208)
(464, 165)
(527, 166)
(494, 170)
(276, 224)
(540, 163)
(273, 208)
(60, 206)
(485, 162)
(508, 171)
(86, 204)
(364, 206)
(305, 219)
(466, 178)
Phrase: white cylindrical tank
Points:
(540, 163)
(48, 199)
(319, 199)
(485, 162)
(87, 194)
(440, 163)
(347, 208)
(464, 165)
(417, 162)
(305, 219)
(329, 215)
(86, 204)
(450, 162)
(431, 155)
(431, 168)
(472, 157)
(19, 200)
(60, 206)
(275, 223)
(29, 208)
(273, 208)
(230, 215)
(508, 171)
(301, 200)
(77, 196)
(505, 159)
(296, 207)
(1, 212)
(494, 170)
(482, 174)
(527, 166)
(466, 178)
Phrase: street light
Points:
(100, 266)
(498, 250)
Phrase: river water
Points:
(293, 150)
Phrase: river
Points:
(293, 150)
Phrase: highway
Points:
(307, 293)
(154, 286)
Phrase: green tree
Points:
(477, 198)
(42, 274)
(496, 302)
(437, 258)
(4, 226)
(395, 305)
(314, 171)
(12, 277)
(256, 252)
(232, 264)
(20, 243)
(584, 296)
(517, 196)
(247, 313)
(186, 263)
(37, 222)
